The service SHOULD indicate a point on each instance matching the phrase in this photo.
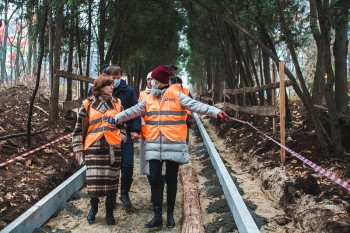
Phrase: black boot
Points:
(94, 208)
(109, 216)
(110, 205)
(124, 193)
(157, 220)
(170, 222)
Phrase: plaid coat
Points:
(102, 160)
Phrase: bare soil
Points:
(25, 181)
(289, 198)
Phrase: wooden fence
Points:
(69, 105)
(267, 111)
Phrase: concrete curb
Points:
(239, 210)
(38, 214)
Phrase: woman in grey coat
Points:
(160, 147)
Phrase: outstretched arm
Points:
(198, 107)
(130, 113)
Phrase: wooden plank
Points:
(46, 207)
(65, 74)
(206, 98)
(69, 105)
(239, 210)
(269, 86)
(282, 111)
(256, 110)
(192, 218)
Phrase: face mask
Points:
(154, 84)
(116, 82)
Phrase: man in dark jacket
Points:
(133, 128)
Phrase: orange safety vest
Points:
(98, 125)
(186, 91)
(167, 117)
(143, 95)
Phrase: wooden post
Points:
(192, 219)
(282, 111)
(273, 100)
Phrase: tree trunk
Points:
(70, 57)
(267, 75)
(319, 77)
(328, 93)
(57, 55)
(18, 48)
(4, 46)
(31, 38)
(50, 28)
(262, 101)
(88, 55)
(102, 31)
(340, 52)
(42, 48)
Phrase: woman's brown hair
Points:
(101, 81)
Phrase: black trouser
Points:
(156, 181)
(109, 203)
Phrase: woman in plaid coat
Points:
(101, 150)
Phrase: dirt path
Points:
(72, 217)
(216, 214)
(251, 185)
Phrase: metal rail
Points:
(38, 214)
(239, 210)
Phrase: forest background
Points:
(217, 44)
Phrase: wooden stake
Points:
(282, 111)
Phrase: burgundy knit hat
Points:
(162, 74)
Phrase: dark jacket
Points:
(128, 97)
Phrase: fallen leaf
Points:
(13, 204)
(28, 162)
(48, 151)
(26, 197)
(3, 209)
(9, 196)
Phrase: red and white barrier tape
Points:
(317, 168)
(35, 150)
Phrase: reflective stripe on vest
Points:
(167, 117)
(98, 126)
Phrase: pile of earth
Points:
(25, 181)
(306, 196)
